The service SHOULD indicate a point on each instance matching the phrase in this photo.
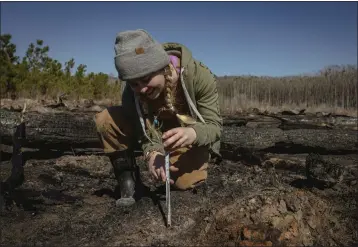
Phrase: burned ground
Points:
(263, 198)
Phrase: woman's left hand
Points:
(179, 137)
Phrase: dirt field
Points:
(264, 200)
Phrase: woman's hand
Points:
(156, 166)
(179, 137)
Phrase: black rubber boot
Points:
(125, 172)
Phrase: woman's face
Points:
(149, 86)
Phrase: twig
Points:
(23, 113)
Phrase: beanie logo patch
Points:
(139, 50)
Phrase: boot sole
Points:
(125, 202)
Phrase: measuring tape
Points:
(167, 188)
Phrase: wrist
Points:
(193, 131)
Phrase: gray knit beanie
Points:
(138, 54)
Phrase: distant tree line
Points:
(334, 88)
(37, 75)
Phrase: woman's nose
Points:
(143, 89)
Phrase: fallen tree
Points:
(276, 140)
(61, 130)
(76, 130)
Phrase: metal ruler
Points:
(167, 190)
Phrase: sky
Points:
(231, 38)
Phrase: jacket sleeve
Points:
(148, 147)
(154, 144)
(207, 101)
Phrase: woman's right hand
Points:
(156, 166)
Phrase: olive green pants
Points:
(116, 134)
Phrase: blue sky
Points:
(232, 38)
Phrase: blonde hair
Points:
(171, 96)
(170, 89)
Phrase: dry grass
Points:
(333, 90)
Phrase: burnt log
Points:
(276, 140)
(57, 130)
(76, 130)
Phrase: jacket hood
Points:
(180, 50)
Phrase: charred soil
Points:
(256, 199)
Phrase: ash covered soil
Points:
(70, 201)
(263, 201)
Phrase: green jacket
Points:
(200, 85)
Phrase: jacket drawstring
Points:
(191, 104)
